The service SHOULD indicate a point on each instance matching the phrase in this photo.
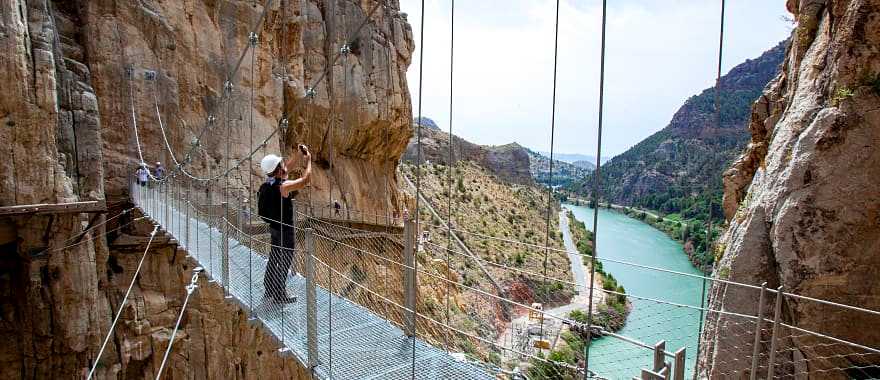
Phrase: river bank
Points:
(690, 235)
(625, 239)
(522, 333)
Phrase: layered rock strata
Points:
(804, 201)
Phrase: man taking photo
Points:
(275, 206)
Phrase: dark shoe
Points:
(283, 299)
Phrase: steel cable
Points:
(122, 304)
(596, 179)
(189, 291)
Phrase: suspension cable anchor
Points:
(227, 86)
(253, 39)
(211, 119)
(345, 49)
(193, 285)
(149, 75)
(310, 92)
(283, 124)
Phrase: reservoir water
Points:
(623, 238)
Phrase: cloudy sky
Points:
(659, 52)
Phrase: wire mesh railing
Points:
(400, 305)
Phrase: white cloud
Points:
(658, 54)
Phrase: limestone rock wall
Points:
(804, 200)
(51, 309)
(357, 124)
(74, 80)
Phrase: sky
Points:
(658, 53)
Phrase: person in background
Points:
(336, 207)
(275, 206)
(142, 175)
(160, 170)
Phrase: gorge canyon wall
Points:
(803, 201)
(74, 75)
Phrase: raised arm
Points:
(301, 182)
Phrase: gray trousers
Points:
(280, 259)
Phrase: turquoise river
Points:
(626, 239)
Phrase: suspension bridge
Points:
(363, 281)
(368, 345)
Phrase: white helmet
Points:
(269, 163)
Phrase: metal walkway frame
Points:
(364, 345)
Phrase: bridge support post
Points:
(175, 223)
(678, 369)
(774, 339)
(167, 189)
(210, 216)
(757, 343)
(186, 228)
(659, 355)
(311, 301)
(148, 199)
(224, 258)
(409, 278)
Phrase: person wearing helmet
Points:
(160, 170)
(142, 175)
(275, 206)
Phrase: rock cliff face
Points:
(192, 47)
(75, 79)
(804, 199)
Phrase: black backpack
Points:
(268, 203)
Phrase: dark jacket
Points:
(272, 207)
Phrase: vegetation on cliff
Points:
(485, 204)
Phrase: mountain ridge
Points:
(672, 168)
(510, 162)
(677, 170)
